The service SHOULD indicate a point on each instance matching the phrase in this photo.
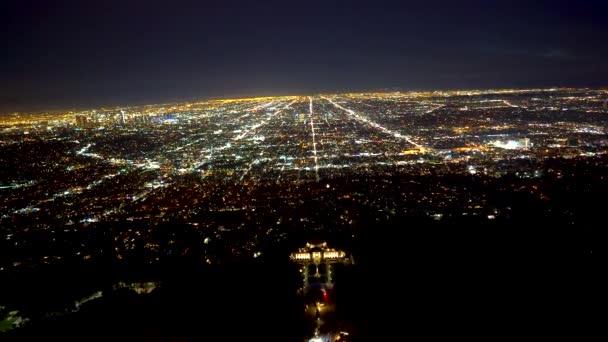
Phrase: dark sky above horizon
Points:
(81, 53)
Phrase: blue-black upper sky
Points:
(63, 54)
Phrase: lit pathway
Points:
(256, 108)
(434, 109)
(314, 141)
(374, 124)
(209, 157)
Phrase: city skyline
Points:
(289, 140)
(27, 115)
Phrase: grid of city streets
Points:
(255, 167)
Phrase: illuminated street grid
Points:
(184, 160)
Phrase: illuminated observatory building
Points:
(317, 261)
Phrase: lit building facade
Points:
(317, 262)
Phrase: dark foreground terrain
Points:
(530, 272)
(425, 281)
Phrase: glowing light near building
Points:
(333, 255)
(302, 256)
(511, 144)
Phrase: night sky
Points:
(64, 54)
